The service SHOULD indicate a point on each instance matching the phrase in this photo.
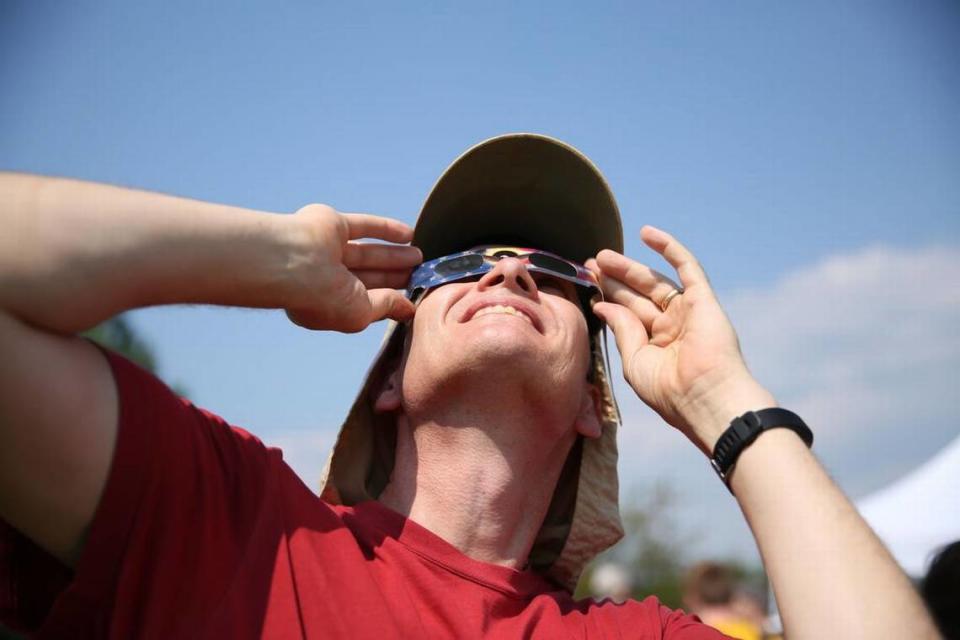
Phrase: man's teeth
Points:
(499, 308)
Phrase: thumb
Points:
(627, 328)
(389, 303)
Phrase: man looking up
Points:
(475, 474)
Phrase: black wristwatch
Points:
(745, 429)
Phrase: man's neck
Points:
(481, 480)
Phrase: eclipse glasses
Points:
(473, 263)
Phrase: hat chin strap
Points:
(606, 364)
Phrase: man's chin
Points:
(502, 362)
(498, 344)
(490, 360)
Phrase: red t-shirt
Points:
(203, 532)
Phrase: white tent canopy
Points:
(919, 513)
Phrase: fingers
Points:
(618, 292)
(374, 255)
(381, 266)
(373, 279)
(689, 269)
(627, 328)
(619, 275)
(389, 303)
(365, 225)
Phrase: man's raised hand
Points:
(684, 362)
(343, 285)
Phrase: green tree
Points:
(653, 551)
(656, 553)
(118, 334)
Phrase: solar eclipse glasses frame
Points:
(473, 263)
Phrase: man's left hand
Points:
(684, 361)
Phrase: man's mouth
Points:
(502, 309)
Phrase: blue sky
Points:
(809, 153)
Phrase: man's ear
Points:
(588, 423)
(388, 397)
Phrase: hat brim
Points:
(520, 188)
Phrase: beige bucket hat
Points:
(529, 190)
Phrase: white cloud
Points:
(859, 341)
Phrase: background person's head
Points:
(708, 584)
(749, 604)
(941, 590)
(611, 580)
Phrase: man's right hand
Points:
(74, 254)
(344, 285)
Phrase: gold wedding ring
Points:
(667, 298)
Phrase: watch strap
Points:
(744, 429)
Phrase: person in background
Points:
(611, 580)
(710, 591)
(941, 590)
(751, 604)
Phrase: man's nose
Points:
(509, 273)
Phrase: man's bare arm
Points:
(73, 254)
(828, 569)
(58, 425)
(76, 253)
(831, 575)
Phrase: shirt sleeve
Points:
(182, 496)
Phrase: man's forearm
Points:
(74, 253)
(831, 575)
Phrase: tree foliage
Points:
(653, 552)
(119, 335)
(656, 553)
